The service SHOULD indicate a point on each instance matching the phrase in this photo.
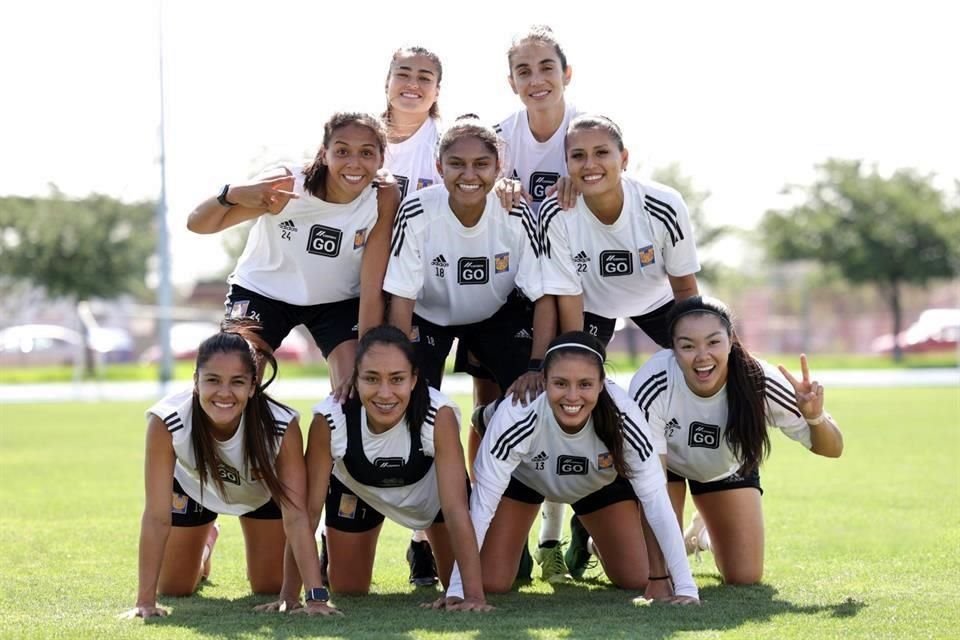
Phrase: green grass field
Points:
(863, 546)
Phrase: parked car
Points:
(934, 330)
(50, 344)
(185, 337)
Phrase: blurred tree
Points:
(96, 247)
(706, 233)
(888, 231)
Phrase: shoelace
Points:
(554, 564)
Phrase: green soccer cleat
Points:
(577, 556)
(550, 558)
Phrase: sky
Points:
(746, 96)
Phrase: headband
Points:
(574, 345)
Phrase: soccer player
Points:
(304, 254)
(225, 447)
(456, 257)
(394, 451)
(714, 403)
(625, 250)
(581, 442)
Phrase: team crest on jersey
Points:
(404, 182)
(359, 238)
(228, 473)
(348, 506)
(647, 255)
(540, 182)
(324, 241)
(604, 461)
(179, 503)
(423, 183)
(705, 436)
(414, 333)
(501, 262)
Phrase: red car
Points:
(934, 330)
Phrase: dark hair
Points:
(607, 418)
(465, 126)
(595, 121)
(260, 441)
(541, 33)
(404, 52)
(315, 173)
(747, 433)
(389, 335)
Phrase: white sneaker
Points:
(696, 538)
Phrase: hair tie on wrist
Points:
(820, 419)
(658, 578)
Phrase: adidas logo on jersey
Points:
(581, 257)
(524, 334)
(287, 228)
(540, 457)
(671, 427)
(440, 261)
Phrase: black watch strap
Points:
(316, 594)
(222, 198)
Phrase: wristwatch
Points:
(316, 594)
(222, 198)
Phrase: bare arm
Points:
(570, 313)
(376, 254)
(825, 435)
(683, 286)
(452, 484)
(266, 194)
(155, 523)
(401, 313)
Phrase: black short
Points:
(654, 324)
(501, 344)
(186, 512)
(466, 362)
(734, 481)
(619, 490)
(345, 511)
(330, 324)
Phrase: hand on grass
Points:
(144, 611)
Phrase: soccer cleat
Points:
(423, 568)
(208, 550)
(324, 560)
(696, 538)
(552, 567)
(577, 556)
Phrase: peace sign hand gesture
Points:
(809, 392)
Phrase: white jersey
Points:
(528, 444)
(460, 275)
(621, 268)
(413, 162)
(310, 252)
(243, 492)
(414, 506)
(537, 165)
(695, 428)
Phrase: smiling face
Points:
(469, 168)
(702, 347)
(537, 75)
(573, 385)
(224, 384)
(352, 157)
(413, 84)
(385, 380)
(594, 161)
